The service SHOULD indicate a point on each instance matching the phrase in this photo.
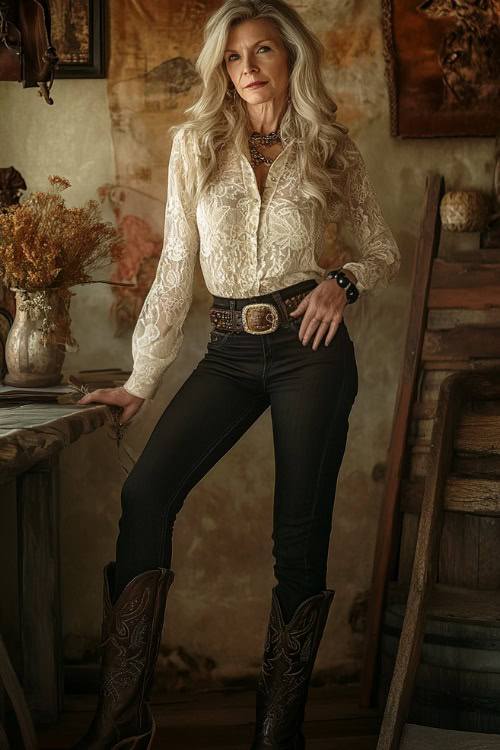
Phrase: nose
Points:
(250, 65)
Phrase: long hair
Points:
(309, 123)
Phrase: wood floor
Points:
(224, 719)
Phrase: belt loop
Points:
(281, 305)
(232, 306)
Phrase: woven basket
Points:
(464, 211)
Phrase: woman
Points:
(255, 175)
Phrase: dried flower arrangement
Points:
(46, 245)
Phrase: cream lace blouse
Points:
(249, 245)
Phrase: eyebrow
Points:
(256, 43)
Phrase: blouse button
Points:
(273, 179)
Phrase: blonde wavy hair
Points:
(309, 123)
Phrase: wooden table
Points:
(31, 440)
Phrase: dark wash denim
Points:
(241, 374)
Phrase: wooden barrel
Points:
(458, 678)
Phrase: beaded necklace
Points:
(263, 141)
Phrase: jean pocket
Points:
(295, 323)
(218, 338)
(347, 331)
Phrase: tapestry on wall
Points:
(443, 67)
(151, 81)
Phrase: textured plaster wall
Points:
(218, 605)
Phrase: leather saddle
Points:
(26, 51)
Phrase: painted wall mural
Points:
(151, 82)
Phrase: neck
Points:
(266, 117)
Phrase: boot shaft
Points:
(132, 630)
(289, 655)
(130, 640)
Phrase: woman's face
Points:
(255, 52)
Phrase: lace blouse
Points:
(249, 244)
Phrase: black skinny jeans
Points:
(241, 374)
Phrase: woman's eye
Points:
(229, 59)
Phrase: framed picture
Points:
(78, 35)
(443, 67)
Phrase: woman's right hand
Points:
(116, 397)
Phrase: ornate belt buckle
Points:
(271, 317)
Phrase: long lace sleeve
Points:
(158, 334)
(380, 257)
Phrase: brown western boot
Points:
(289, 655)
(131, 634)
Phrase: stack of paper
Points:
(10, 394)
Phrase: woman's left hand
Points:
(322, 309)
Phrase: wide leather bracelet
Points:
(345, 283)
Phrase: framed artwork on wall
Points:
(443, 67)
(78, 34)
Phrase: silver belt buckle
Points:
(271, 317)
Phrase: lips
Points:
(256, 84)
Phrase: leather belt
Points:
(258, 317)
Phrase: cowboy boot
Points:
(289, 655)
(131, 634)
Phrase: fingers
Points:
(333, 330)
(316, 325)
(87, 399)
(100, 396)
(320, 332)
(126, 417)
(322, 314)
(302, 307)
(128, 403)
(130, 411)
(312, 319)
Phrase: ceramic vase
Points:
(33, 355)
